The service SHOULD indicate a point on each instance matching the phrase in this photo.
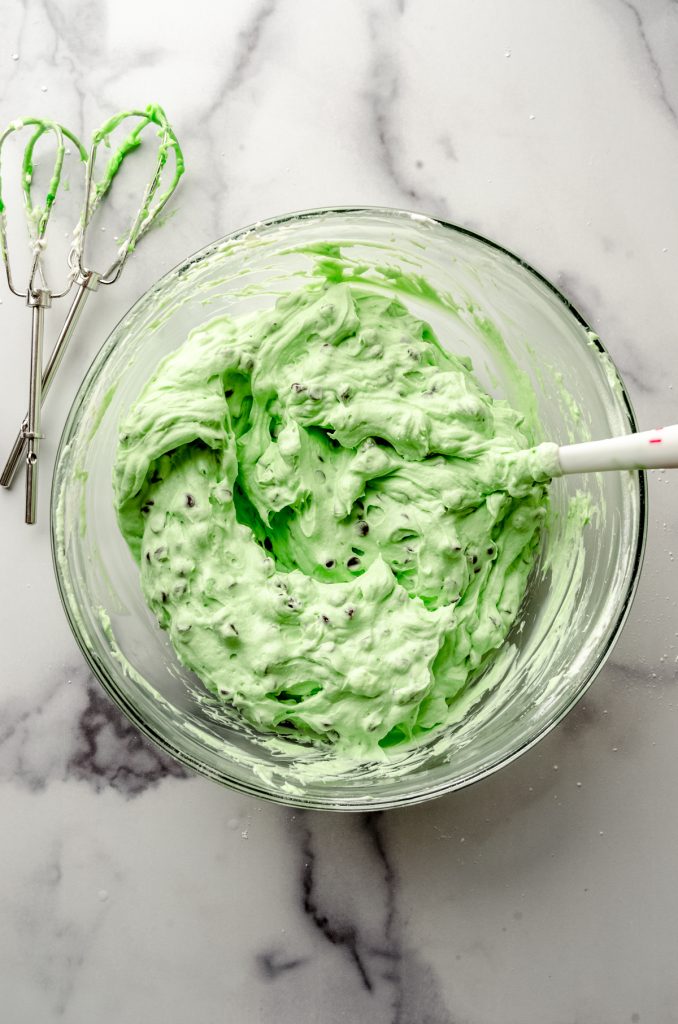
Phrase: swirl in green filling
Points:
(332, 519)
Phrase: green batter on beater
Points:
(332, 520)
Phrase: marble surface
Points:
(548, 894)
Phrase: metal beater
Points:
(37, 294)
(85, 279)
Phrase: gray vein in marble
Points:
(76, 732)
(249, 41)
(387, 969)
(338, 933)
(632, 376)
(58, 938)
(22, 33)
(447, 147)
(651, 58)
(648, 674)
(274, 963)
(50, 52)
(64, 35)
(16, 763)
(381, 94)
(588, 301)
(111, 752)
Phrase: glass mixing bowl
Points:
(579, 593)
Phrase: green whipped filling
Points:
(333, 521)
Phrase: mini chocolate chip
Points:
(232, 627)
(363, 528)
(490, 551)
(268, 544)
(350, 612)
(345, 394)
(163, 597)
(228, 393)
(155, 477)
(474, 559)
(330, 563)
(190, 500)
(325, 619)
(148, 556)
(353, 562)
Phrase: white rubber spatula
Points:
(650, 449)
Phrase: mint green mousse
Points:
(333, 522)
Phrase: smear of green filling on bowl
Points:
(332, 520)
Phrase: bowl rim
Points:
(342, 804)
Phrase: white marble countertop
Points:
(547, 894)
